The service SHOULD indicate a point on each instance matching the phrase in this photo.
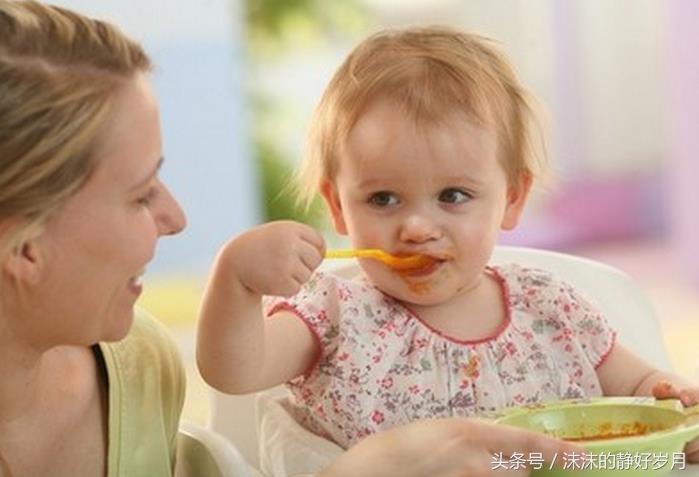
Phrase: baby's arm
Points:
(623, 373)
(238, 351)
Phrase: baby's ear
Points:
(332, 200)
(517, 195)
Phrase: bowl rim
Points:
(686, 430)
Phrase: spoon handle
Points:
(351, 253)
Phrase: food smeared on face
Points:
(410, 264)
(415, 270)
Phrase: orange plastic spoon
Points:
(411, 262)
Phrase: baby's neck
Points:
(477, 313)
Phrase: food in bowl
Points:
(611, 427)
(607, 430)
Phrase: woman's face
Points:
(93, 251)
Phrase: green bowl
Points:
(622, 436)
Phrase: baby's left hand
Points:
(688, 397)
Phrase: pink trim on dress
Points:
(284, 306)
(504, 288)
(604, 357)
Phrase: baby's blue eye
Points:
(454, 196)
(383, 199)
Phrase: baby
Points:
(421, 145)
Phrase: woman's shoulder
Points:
(146, 394)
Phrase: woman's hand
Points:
(276, 258)
(452, 447)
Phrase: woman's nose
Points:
(419, 228)
(170, 217)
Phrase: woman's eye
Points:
(454, 196)
(383, 199)
(148, 197)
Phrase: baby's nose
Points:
(419, 228)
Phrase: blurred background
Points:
(238, 80)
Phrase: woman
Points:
(81, 209)
(87, 389)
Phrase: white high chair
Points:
(202, 452)
(623, 303)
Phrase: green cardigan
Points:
(146, 394)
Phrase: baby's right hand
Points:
(276, 258)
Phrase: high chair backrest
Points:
(624, 304)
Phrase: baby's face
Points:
(434, 189)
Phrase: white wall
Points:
(595, 64)
(199, 73)
(623, 79)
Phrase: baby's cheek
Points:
(370, 237)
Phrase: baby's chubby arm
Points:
(238, 351)
(625, 374)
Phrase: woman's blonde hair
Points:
(430, 72)
(59, 72)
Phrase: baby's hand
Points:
(276, 258)
(688, 397)
(667, 390)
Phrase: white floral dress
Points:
(381, 366)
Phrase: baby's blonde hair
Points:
(59, 72)
(430, 72)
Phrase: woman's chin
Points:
(121, 327)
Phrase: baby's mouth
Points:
(429, 267)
